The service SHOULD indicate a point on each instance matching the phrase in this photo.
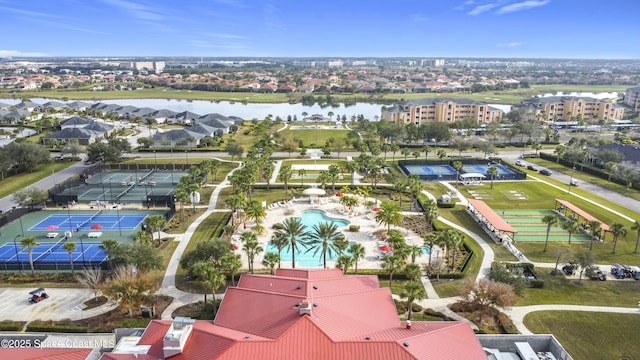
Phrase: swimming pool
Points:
(426, 250)
(309, 219)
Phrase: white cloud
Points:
(525, 5)
(16, 53)
(419, 18)
(138, 11)
(27, 12)
(511, 44)
(225, 36)
(482, 8)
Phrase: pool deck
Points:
(277, 213)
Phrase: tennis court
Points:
(97, 221)
(123, 186)
(86, 253)
(430, 169)
(483, 168)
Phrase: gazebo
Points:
(313, 194)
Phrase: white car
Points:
(520, 163)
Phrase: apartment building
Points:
(632, 98)
(156, 66)
(554, 108)
(422, 111)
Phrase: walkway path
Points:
(169, 282)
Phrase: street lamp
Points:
(20, 219)
(155, 156)
(571, 179)
(82, 248)
(15, 245)
(186, 154)
(118, 213)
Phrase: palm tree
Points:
(322, 239)
(357, 252)
(413, 272)
(413, 291)
(250, 247)
(155, 223)
(302, 173)
(285, 175)
(430, 240)
(389, 215)
(29, 243)
(617, 229)
(254, 211)
(70, 247)
(109, 247)
(344, 262)
(231, 264)
(294, 230)
(457, 166)
(594, 227)
(493, 172)
(271, 260)
(211, 277)
(550, 220)
(414, 251)
(280, 241)
(571, 226)
(392, 263)
(431, 212)
(636, 226)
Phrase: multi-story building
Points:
(552, 108)
(632, 98)
(422, 111)
(156, 66)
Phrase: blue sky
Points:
(300, 28)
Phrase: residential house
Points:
(177, 137)
(75, 122)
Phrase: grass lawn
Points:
(203, 232)
(275, 194)
(14, 183)
(590, 335)
(560, 290)
(584, 177)
(312, 137)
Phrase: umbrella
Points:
(96, 226)
(234, 247)
(376, 209)
(339, 194)
(52, 227)
(385, 248)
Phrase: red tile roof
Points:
(491, 216)
(44, 354)
(585, 215)
(351, 318)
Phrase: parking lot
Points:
(62, 304)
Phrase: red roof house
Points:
(306, 314)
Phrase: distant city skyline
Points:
(587, 29)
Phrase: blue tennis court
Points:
(482, 169)
(52, 252)
(431, 169)
(97, 221)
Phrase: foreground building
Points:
(423, 111)
(303, 314)
(552, 108)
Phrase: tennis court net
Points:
(90, 219)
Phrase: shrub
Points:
(401, 307)
(446, 205)
(277, 226)
(416, 308)
(133, 323)
(537, 284)
(8, 325)
(56, 328)
(354, 228)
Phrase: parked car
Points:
(545, 172)
(532, 168)
(573, 182)
(595, 273)
(37, 295)
(520, 163)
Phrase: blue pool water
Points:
(307, 260)
(426, 250)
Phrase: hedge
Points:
(56, 328)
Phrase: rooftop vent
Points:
(305, 307)
(406, 344)
(177, 336)
(299, 287)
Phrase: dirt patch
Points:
(417, 224)
(488, 322)
(95, 302)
